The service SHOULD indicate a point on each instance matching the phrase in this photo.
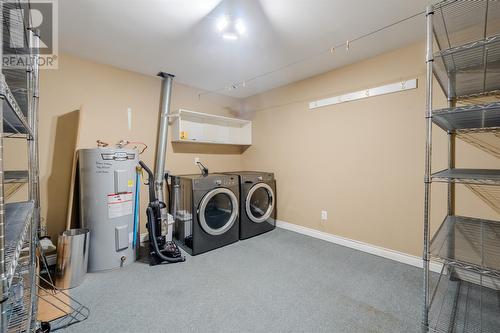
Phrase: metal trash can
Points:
(72, 258)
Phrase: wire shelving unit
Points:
(463, 55)
(19, 221)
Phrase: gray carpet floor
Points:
(277, 282)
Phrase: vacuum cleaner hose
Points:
(150, 214)
(152, 194)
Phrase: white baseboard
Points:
(360, 246)
(350, 243)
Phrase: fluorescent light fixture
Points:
(240, 26)
(230, 36)
(222, 23)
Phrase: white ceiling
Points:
(180, 37)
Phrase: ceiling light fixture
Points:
(222, 23)
(230, 29)
(230, 36)
(240, 26)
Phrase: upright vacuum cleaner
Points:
(161, 250)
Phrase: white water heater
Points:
(107, 202)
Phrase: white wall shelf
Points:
(197, 127)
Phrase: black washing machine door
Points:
(218, 211)
(259, 203)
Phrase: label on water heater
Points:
(120, 205)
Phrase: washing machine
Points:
(206, 211)
(257, 202)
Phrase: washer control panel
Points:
(212, 181)
(226, 182)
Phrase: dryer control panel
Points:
(256, 178)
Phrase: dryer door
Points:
(218, 211)
(259, 202)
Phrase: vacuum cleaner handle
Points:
(151, 182)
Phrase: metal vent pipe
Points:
(161, 148)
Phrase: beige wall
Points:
(362, 161)
(103, 94)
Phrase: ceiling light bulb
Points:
(230, 36)
(240, 26)
(222, 23)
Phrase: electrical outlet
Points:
(196, 160)
(324, 215)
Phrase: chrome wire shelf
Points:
(17, 221)
(14, 120)
(469, 243)
(468, 176)
(461, 306)
(483, 116)
(469, 69)
(19, 316)
(14, 81)
(474, 274)
(14, 25)
(17, 81)
(458, 22)
(15, 176)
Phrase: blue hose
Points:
(136, 208)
